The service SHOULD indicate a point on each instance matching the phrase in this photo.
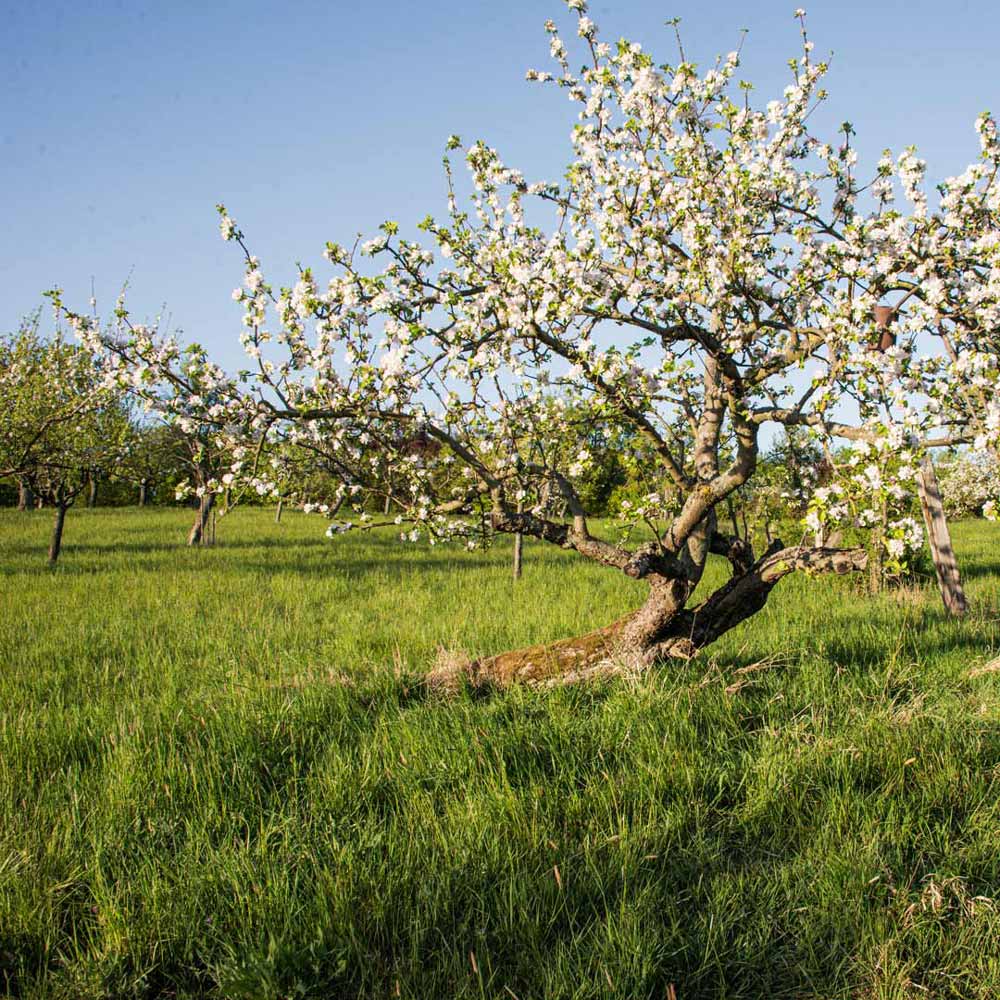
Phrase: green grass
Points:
(220, 776)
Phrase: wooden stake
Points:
(938, 535)
(939, 538)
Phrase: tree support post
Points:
(939, 538)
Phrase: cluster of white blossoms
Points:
(903, 536)
(970, 483)
(872, 486)
(653, 510)
(704, 264)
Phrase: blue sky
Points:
(122, 124)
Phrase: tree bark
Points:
(663, 629)
(939, 538)
(92, 491)
(518, 546)
(142, 492)
(25, 496)
(55, 542)
(277, 512)
(199, 530)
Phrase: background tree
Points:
(152, 460)
(61, 421)
(970, 481)
(209, 426)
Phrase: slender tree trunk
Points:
(732, 516)
(386, 505)
(876, 564)
(142, 492)
(518, 550)
(92, 491)
(518, 546)
(25, 496)
(55, 543)
(277, 512)
(199, 530)
(939, 538)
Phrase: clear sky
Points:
(122, 124)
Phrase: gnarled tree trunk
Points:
(664, 628)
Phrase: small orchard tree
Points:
(208, 419)
(707, 264)
(61, 421)
(306, 475)
(30, 411)
(151, 460)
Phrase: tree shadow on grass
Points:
(353, 568)
(976, 569)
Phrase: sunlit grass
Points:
(220, 775)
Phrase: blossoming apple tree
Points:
(61, 419)
(707, 270)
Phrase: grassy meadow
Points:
(221, 776)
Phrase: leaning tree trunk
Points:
(277, 512)
(199, 530)
(664, 628)
(92, 492)
(55, 542)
